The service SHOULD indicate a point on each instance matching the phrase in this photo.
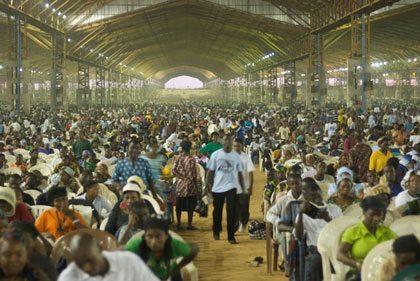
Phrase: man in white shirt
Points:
(274, 214)
(313, 217)
(90, 264)
(243, 196)
(284, 131)
(413, 191)
(225, 171)
(330, 128)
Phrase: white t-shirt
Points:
(402, 198)
(330, 128)
(123, 266)
(284, 133)
(226, 167)
(248, 168)
(313, 227)
(415, 139)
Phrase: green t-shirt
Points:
(363, 241)
(159, 268)
(211, 147)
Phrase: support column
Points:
(58, 69)
(273, 90)
(16, 66)
(100, 86)
(406, 90)
(358, 63)
(289, 88)
(84, 97)
(316, 89)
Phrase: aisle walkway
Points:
(218, 260)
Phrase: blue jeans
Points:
(313, 267)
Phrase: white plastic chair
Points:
(190, 268)
(103, 224)
(372, 264)
(355, 211)
(85, 211)
(407, 225)
(154, 203)
(107, 194)
(12, 170)
(44, 168)
(328, 242)
(71, 195)
(111, 169)
(34, 193)
(37, 210)
(42, 156)
(23, 152)
(11, 159)
(50, 157)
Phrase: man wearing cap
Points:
(212, 146)
(133, 165)
(119, 213)
(379, 158)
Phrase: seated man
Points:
(294, 194)
(413, 191)
(90, 263)
(314, 214)
(407, 252)
(138, 213)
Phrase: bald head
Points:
(87, 255)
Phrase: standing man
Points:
(244, 196)
(223, 178)
(133, 165)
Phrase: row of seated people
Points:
(58, 221)
(301, 213)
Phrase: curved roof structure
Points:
(194, 33)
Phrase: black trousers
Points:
(242, 209)
(218, 202)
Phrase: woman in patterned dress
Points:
(184, 169)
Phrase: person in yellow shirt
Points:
(379, 158)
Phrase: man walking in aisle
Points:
(243, 196)
(225, 172)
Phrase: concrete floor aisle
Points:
(218, 260)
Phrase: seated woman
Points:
(38, 248)
(160, 251)
(60, 219)
(14, 262)
(15, 211)
(359, 239)
(138, 214)
(344, 197)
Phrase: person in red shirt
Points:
(15, 211)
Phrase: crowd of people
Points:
(128, 173)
